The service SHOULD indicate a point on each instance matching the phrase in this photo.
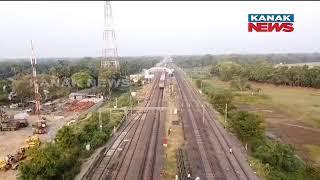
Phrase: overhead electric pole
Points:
(110, 52)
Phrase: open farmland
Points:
(301, 104)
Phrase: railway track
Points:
(240, 164)
(119, 160)
(210, 140)
(141, 161)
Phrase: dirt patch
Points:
(288, 130)
(8, 175)
(296, 134)
(11, 141)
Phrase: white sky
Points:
(74, 29)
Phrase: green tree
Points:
(247, 126)
(214, 70)
(50, 162)
(219, 98)
(66, 137)
(280, 156)
(23, 88)
(228, 69)
(105, 78)
(61, 70)
(240, 83)
(5, 88)
(82, 79)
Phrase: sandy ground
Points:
(11, 141)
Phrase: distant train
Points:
(162, 79)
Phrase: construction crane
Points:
(41, 125)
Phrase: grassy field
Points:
(314, 152)
(302, 104)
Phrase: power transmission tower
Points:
(110, 52)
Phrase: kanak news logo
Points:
(270, 22)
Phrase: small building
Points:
(77, 96)
(84, 96)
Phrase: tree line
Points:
(16, 75)
(208, 59)
(259, 68)
(264, 72)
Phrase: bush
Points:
(49, 163)
(198, 83)
(247, 126)
(124, 100)
(312, 171)
(240, 84)
(219, 98)
(61, 160)
(279, 156)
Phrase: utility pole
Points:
(202, 113)
(100, 120)
(110, 52)
(1, 115)
(110, 114)
(130, 100)
(226, 113)
(116, 102)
